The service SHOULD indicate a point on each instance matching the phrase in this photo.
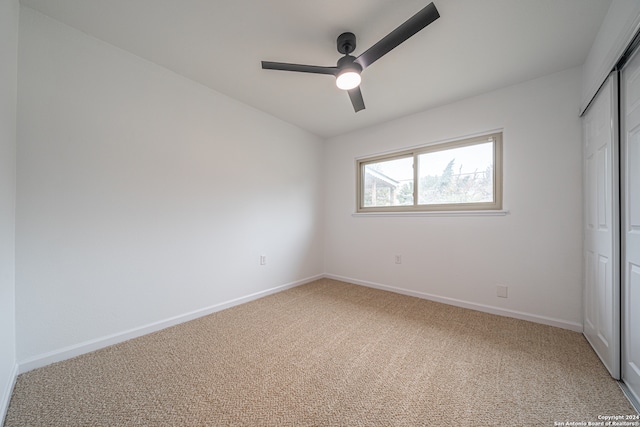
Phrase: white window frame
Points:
(495, 205)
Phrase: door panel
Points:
(633, 181)
(603, 176)
(634, 319)
(601, 287)
(604, 299)
(630, 168)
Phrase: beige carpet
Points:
(329, 354)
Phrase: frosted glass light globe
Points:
(348, 80)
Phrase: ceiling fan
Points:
(347, 71)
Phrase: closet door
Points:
(601, 236)
(630, 150)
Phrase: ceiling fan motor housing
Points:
(347, 62)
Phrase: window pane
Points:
(457, 175)
(388, 183)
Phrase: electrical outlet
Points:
(263, 260)
(502, 291)
(398, 259)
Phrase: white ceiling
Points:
(476, 46)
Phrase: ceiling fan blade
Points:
(266, 65)
(414, 24)
(356, 99)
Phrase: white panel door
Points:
(630, 146)
(601, 237)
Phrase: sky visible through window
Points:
(469, 159)
(473, 158)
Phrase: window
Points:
(453, 176)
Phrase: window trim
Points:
(495, 205)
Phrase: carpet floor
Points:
(329, 354)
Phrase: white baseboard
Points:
(630, 395)
(7, 392)
(564, 324)
(98, 343)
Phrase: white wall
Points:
(535, 250)
(143, 195)
(616, 32)
(8, 96)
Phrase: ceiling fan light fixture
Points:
(348, 79)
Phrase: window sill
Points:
(433, 213)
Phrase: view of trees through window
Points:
(466, 178)
(457, 174)
(385, 182)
